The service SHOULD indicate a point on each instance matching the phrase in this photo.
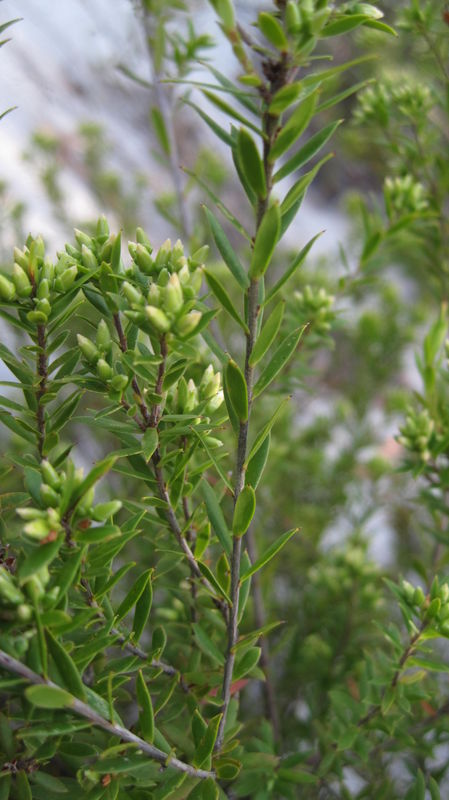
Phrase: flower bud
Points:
(184, 275)
(187, 324)
(83, 239)
(21, 281)
(173, 295)
(133, 295)
(30, 513)
(192, 397)
(103, 338)
(37, 529)
(87, 348)
(49, 474)
(199, 256)
(43, 290)
(8, 590)
(44, 306)
(49, 496)
(292, 17)
(418, 597)
(102, 226)
(154, 295)
(104, 370)
(177, 252)
(7, 289)
(24, 612)
(142, 238)
(37, 317)
(215, 402)
(21, 258)
(66, 280)
(105, 510)
(88, 258)
(106, 250)
(196, 279)
(47, 271)
(86, 500)
(163, 255)
(157, 318)
(143, 259)
(119, 382)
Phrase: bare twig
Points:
(10, 664)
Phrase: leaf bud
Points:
(173, 295)
(44, 306)
(215, 402)
(21, 281)
(87, 348)
(158, 319)
(419, 597)
(47, 271)
(184, 274)
(164, 277)
(7, 289)
(154, 295)
(408, 592)
(192, 397)
(8, 590)
(24, 612)
(102, 226)
(434, 608)
(105, 510)
(37, 529)
(86, 501)
(292, 17)
(188, 323)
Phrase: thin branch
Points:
(10, 664)
(138, 394)
(42, 371)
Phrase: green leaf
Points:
(42, 555)
(284, 97)
(160, 129)
(272, 30)
(279, 359)
(216, 517)
(146, 716)
(265, 242)
(67, 669)
(252, 637)
(262, 435)
(231, 112)
(207, 572)
(219, 132)
(344, 24)
(295, 264)
(251, 163)
(380, 26)
(269, 553)
(257, 464)
(267, 334)
(133, 595)
(299, 188)
(23, 789)
(44, 696)
(305, 153)
(220, 205)
(244, 511)
(101, 533)
(68, 573)
(214, 460)
(246, 662)
(206, 644)
(227, 253)
(203, 752)
(149, 443)
(238, 392)
(223, 298)
(100, 469)
(434, 789)
(294, 775)
(142, 611)
(295, 126)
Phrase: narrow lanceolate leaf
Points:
(295, 126)
(344, 24)
(160, 129)
(211, 455)
(48, 697)
(269, 554)
(133, 595)
(272, 30)
(206, 644)
(66, 666)
(149, 443)
(233, 418)
(262, 435)
(244, 510)
(291, 269)
(216, 517)
(265, 243)
(146, 716)
(299, 189)
(223, 298)
(207, 572)
(231, 112)
(238, 392)
(267, 334)
(226, 251)
(219, 132)
(279, 360)
(42, 555)
(285, 97)
(251, 638)
(142, 611)
(203, 753)
(257, 464)
(100, 469)
(305, 153)
(251, 163)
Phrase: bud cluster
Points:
(430, 608)
(98, 356)
(315, 307)
(46, 521)
(404, 195)
(417, 433)
(206, 397)
(167, 303)
(35, 280)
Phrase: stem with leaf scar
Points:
(81, 709)
(278, 77)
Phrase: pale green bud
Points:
(8, 590)
(37, 317)
(173, 295)
(143, 259)
(187, 324)
(142, 238)
(24, 612)
(88, 258)
(192, 397)
(43, 290)
(86, 500)
(184, 275)
(154, 295)
(66, 280)
(105, 510)
(37, 529)
(215, 402)
(7, 289)
(199, 256)
(133, 295)
(104, 370)
(158, 319)
(43, 306)
(21, 281)
(49, 496)
(21, 258)
(49, 474)
(102, 226)
(103, 338)
(87, 348)
(119, 382)
(83, 239)
(182, 394)
(30, 513)
(177, 252)
(163, 255)
(196, 279)
(47, 271)
(292, 18)
(64, 262)
(106, 249)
